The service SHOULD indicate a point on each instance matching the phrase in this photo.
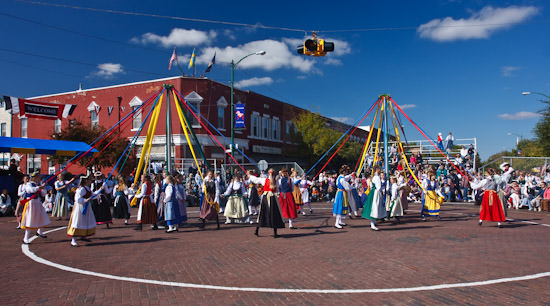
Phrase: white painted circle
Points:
(31, 255)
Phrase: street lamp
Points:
(526, 93)
(233, 66)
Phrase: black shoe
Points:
(41, 236)
(155, 227)
(293, 228)
(499, 226)
(139, 227)
(479, 223)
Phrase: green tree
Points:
(78, 131)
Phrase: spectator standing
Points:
(450, 141)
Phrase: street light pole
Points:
(233, 66)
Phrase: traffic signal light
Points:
(316, 47)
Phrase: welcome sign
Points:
(43, 110)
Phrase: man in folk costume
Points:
(147, 211)
(373, 207)
(340, 208)
(492, 209)
(502, 182)
(82, 222)
(209, 207)
(34, 216)
(432, 198)
(236, 208)
(270, 212)
(286, 199)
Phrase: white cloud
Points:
(108, 70)
(178, 37)
(479, 26)
(278, 55)
(519, 116)
(507, 71)
(342, 119)
(254, 82)
(407, 106)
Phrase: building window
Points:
(3, 129)
(255, 125)
(195, 108)
(136, 122)
(266, 128)
(33, 163)
(24, 127)
(276, 129)
(57, 126)
(94, 118)
(221, 117)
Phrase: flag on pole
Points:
(174, 58)
(192, 60)
(68, 110)
(212, 62)
(12, 103)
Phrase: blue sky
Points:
(460, 66)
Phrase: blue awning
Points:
(43, 146)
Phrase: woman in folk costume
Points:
(82, 223)
(236, 208)
(147, 211)
(61, 205)
(395, 208)
(374, 208)
(340, 207)
(34, 215)
(171, 206)
(353, 197)
(21, 201)
(209, 207)
(432, 197)
(122, 205)
(102, 203)
(158, 195)
(492, 209)
(304, 190)
(181, 197)
(403, 191)
(270, 212)
(286, 199)
(296, 193)
(253, 197)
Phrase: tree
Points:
(79, 131)
(314, 139)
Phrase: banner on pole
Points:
(43, 110)
(239, 116)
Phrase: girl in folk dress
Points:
(147, 211)
(492, 209)
(288, 207)
(21, 201)
(101, 204)
(171, 205)
(122, 204)
(236, 209)
(61, 206)
(181, 197)
(340, 207)
(34, 216)
(304, 185)
(253, 197)
(296, 193)
(48, 201)
(82, 223)
(270, 212)
(432, 198)
(395, 208)
(374, 208)
(209, 207)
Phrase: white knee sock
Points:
(290, 223)
(73, 241)
(27, 235)
(338, 220)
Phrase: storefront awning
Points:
(43, 146)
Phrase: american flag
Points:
(172, 59)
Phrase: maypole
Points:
(168, 131)
(386, 164)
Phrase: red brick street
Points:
(412, 254)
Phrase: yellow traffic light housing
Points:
(315, 47)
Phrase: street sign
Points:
(262, 164)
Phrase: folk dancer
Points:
(395, 208)
(373, 208)
(82, 222)
(121, 208)
(286, 199)
(492, 209)
(101, 204)
(147, 211)
(502, 182)
(432, 197)
(209, 207)
(60, 207)
(270, 212)
(253, 197)
(171, 206)
(236, 210)
(34, 217)
(304, 190)
(21, 200)
(296, 193)
(181, 197)
(340, 208)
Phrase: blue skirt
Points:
(172, 213)
(340, 206)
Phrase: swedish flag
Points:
(192, 60)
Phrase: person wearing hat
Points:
(34, 215)
(492, 209)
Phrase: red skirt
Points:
(288, 207)
(491, 207)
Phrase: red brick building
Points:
(266, 135)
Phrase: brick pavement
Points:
(316, 256)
